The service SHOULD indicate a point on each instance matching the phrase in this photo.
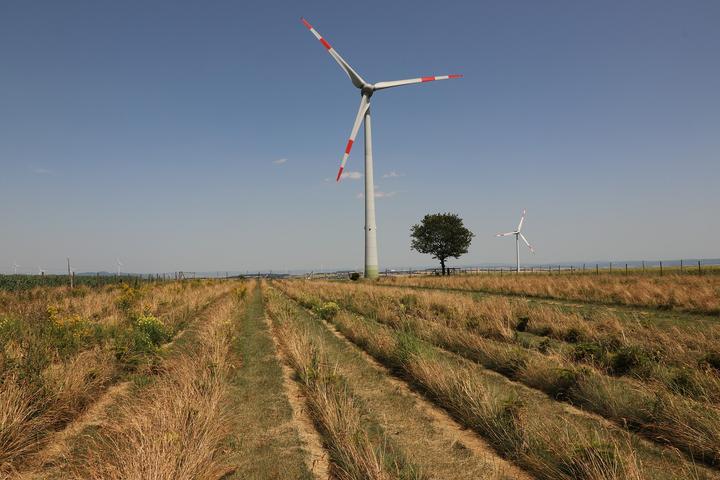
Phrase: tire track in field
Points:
(430, 437)
(317, 460)
(57, 450)
(642, 310)
(266, 442)
(654, 453)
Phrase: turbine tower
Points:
(518, 235)
(119, 264)
(366, 91)
(15, 267)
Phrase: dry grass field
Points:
(407, 378)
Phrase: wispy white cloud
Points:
(280, 161)
(352, 175)
(393, 174)
(41, 171)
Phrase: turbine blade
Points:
(532, 250)
(356, 79)
(411, 81)
(505, 234)
(522, 219)
(364, 105)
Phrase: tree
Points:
(441, 235)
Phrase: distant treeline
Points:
(26, 282)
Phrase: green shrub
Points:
(354, 276)
(153, 329)
(629, 359)
(522, 324)
(685, 382)
(711, 360)
(328, 310)
(588, 352)
(562, 382)
(572, 335)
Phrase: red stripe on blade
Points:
(305, 22)
(427, 79)
(455, 76)
(339, 173)
(348, 147)
(325, 44)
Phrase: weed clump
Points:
(328, 310)
(711, 360)
(630, 359)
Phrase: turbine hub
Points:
(368, 89)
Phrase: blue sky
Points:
(152, 131)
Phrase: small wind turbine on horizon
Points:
(15, 267)
(518, 235)
(366, 91)
(119, 264)
(41, 271)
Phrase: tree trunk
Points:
(442, 264)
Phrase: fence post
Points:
(610, 267)
(661, 268)
(597, 269)
(626, 269)
(681, 265)
(699, 270)
(643, 266)
(583, 268)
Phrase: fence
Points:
(658, 267)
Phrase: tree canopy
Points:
(441, 235)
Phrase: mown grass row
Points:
(54, 362)
(684, 361)
(358, 447)
(537, 433)
(178, 426)
(691, 426)
(699, 294)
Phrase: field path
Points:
(425, 433)
(656, 314)
(266, 441)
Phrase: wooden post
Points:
(626, 269)
(699, 270)
(610, 267)
(681, 265)
(597, 269)
(643, 266)
(583, 268)
(661, 268)
(70, 276)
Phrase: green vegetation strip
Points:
(267, 443)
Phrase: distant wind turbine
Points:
(518, 236)
(15, 267)
(119, 264)
(41, 271)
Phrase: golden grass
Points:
(685, 292)
(176, 429)
(660, 415)
(57, 360)
(339, 416)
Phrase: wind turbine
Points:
(15, 267)
(518, 235)
(366, 91)
(41, 271)
(119, 264)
